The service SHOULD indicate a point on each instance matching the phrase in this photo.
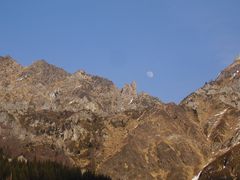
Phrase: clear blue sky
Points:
(183, 42)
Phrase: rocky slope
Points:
(226, 166)
(86, 121)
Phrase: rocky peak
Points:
(44, 73)
(231, 72)
(41, 62)
(81, 74)
(7, 62)
(225, 89)
(130, 90)
(42, 65)
(8, 70)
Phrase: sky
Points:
(169, 47)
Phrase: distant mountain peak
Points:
(80, 73)
(8, 65)
(231, 72)
(44, 73)
(7, 60)
(42, 64)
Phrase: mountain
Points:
(86, 121)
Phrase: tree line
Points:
(12, 169)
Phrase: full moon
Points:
(150, 74)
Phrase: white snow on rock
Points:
(221, 113)
(197, 176)
(131, 101)
(234, 74)
(23, 77)
(71, 102)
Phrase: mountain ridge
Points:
(86, 121)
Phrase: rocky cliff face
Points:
(86, 121)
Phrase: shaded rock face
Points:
(217, 107)
(86, 121)
(226, 166)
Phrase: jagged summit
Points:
(44, 73)
(42, 65)
(6, 58)
(130, 89)
(80, 72)
(41, 62)
(7, 61)
(231, 72)
(9, 69)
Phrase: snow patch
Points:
(71, 102)
(23, 77)
(130, 101)
(234, 74)
(221, 113)
(20, 79)
(197, 176)
(80, 86)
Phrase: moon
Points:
(150, 74)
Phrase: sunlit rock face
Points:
(86, 121)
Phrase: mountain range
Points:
(83, 120)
